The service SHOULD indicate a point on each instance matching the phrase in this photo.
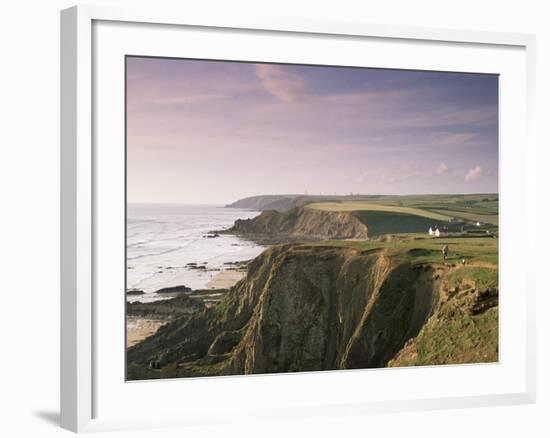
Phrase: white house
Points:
(431, 232)
(437, 233)
(478, 224)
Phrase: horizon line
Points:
(310, 195)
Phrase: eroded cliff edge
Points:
(307, 307)
(301, 223)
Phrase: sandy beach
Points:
(225, 279)
(138, 329)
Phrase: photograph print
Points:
(296, 218)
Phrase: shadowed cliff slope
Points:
(304, 308)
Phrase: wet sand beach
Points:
(225, 279)
(138, 329)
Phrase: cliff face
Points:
(303, 223)
(325, 309)
(306, 308)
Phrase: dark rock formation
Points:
(301, 224)
(174, 289)
(165, 309)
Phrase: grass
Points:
(421, 249)
(459, 339)
(483, 277)
(367, 206)
(474, 217)
(472, 208)
(386, 222)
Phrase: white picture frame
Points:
(82, 381)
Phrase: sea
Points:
(162, 240)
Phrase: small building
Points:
(437, 233)
(431, 232)
(478, 224)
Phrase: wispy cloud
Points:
(281, 83)
(457, 138)
(373, 98)
(474, 174)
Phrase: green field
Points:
(421, 249)
(388, 222)
(471, 208)
(471, 216)
(367, 206)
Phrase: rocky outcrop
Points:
(303, 308)
(301, 224)
(169, 308)
(174, 290)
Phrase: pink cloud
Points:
(474, 174)
(443, 169)
(281, 83)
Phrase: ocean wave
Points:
(158, 250)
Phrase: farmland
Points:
(481, 208)
(367, 206)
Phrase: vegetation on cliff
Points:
(338, 305)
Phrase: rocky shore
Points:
(145, 318)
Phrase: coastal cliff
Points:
(306, 307)
(301, 223)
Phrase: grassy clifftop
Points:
(323, 306)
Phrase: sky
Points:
(212, 132)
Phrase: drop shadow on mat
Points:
(51, 417)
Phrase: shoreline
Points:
(196, 255)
